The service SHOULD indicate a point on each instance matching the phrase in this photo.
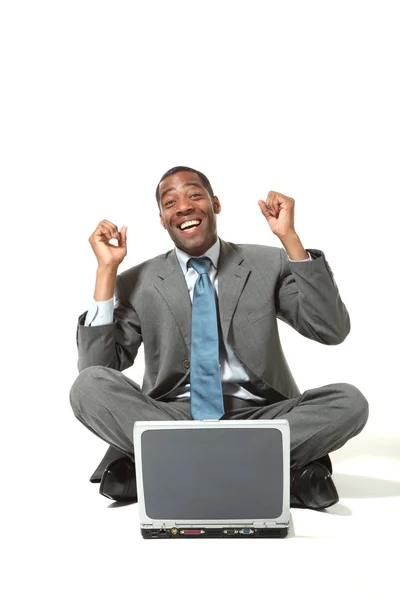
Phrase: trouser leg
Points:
(321, 420)
(108, 403)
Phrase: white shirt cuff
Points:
(100, 313)
(303, 259)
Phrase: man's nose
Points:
(184, 205)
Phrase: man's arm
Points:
(307, 297)
(114, 344)
(102, 310)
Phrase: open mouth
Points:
(189, 227)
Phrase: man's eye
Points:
(168, 202)
(194, 195)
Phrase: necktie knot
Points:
(201, 265)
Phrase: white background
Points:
(98, 100)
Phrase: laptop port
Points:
(246, 531)
(214, 532)
(191, 531)
(230, 531)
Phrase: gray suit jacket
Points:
(256, 285)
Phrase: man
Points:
(253, 285)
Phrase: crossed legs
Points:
(321, 420)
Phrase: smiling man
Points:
(192, 225)
(207, 313)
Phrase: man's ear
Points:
(216, 205)
(162, 222)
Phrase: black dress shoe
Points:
(111, 455)
(118, 481)
(325, 460)
(312, 487)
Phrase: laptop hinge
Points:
(264, 525)
(162, 524)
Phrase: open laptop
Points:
(203, 479)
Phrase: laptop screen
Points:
(216, 473)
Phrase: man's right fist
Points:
(107, 254)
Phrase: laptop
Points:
(213, 479)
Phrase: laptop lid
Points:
(213, 473)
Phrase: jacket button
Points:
(186, 363)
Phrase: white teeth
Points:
(189, 224)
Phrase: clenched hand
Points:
(279, 212)
(107, 254)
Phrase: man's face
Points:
(183, 199)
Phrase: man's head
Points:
(184, 195)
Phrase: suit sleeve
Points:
(115, 345)
(308, 299)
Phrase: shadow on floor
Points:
(339, 510)
(358, 486)
(361, 486)
(369, 446)
(116, 504)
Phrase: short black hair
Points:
(203, 179)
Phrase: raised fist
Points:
(107, 254)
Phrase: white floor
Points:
(68, 541)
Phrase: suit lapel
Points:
(232, 277)
(171, 284)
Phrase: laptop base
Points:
(213, 532)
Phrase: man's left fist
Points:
(279, 212)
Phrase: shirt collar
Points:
(212, 253)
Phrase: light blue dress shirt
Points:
(232, 372)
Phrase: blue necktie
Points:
(206, 397)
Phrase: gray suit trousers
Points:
(321, 420)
